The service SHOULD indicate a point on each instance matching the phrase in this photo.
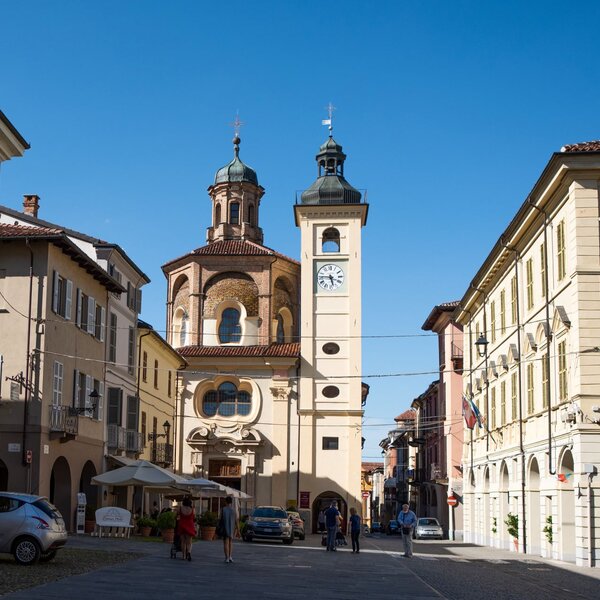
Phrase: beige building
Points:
(12, 143)
(234, 311)
(532, 365)
(53, 300)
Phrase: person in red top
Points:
(186, 527)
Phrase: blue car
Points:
(392, 527)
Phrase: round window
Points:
(331, 391)
(331, 348)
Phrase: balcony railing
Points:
(162, 454)
(63, 420)
(116, 437)
(135, 441)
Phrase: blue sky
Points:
(448, 112)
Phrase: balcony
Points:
(456, 357)
(117, 437)
(134, 441)
(162, 454)
(64, 421)
(437, 473)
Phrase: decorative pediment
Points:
(561, 319)
(542, 333)
(469, 390)
(513, 354)
(212, 434)
(491, 370)
(530, 345)
(503, 362)
(478, 383)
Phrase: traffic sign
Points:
(452, 500)
(366, 494)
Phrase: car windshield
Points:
(47, 508)
(268, 512)
(428, 522)
(291, 513)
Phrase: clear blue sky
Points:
(448, 112)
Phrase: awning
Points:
(121, 460)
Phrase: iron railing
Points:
(63, 420)
(116, 437)
(162, 454)
(135, 441)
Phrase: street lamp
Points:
(152, 436)
(481, 345)
(82, 410)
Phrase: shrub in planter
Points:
(146, 524)
(208, 524)
(166, 523)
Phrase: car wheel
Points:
(46, 556)
(26, 551)
(289, 541)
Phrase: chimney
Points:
(31, 205)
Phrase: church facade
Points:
(270, 402)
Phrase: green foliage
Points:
(146, 522)
(548, 529)
(512, 525)
(166, 520)
(208, 519)
(494, 525)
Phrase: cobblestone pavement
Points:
(304, 570)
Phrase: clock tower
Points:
(330, 215)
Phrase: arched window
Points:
(226, 401)
(217, 215)
(183, 330)
(280, 336)
(230, 330)
(331, 240)
(234, 213)
(251, 214)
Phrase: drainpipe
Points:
(551, 469)
(520, 375)
(27, 369)
(590, 516)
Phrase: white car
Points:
(428, 528)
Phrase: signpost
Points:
(452, 500)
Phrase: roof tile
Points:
(273, 350)
(593, 146)
(17, 231)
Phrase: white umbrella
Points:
(140, 472)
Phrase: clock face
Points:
(330, 277)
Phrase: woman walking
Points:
(186, 527)
(354, 529)
(230, 528)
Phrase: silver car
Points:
(31, 528)
(428, 528)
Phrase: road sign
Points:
(29, 456)
(366, 494)
(452, 500)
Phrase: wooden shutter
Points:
(78, 309)
(68, 299)
(102, 322)
(100, 407)
(91, 312)
(76, 388)
(55, 291)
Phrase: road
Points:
(439, 570)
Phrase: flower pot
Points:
(89, 526)
(146, 531)
(207, 533)
(516, 544)
(168, 535)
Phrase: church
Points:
(271, 400)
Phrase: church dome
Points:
(236, 170)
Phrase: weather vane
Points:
(329, 108)
(237, 124)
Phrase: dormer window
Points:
(331, 240)
(234, 213)
(230, 330)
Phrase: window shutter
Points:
(102, 323)
(79, 300)
(138, 301)
(89, 382)
(76, 388)
(55, 291)
(100, 407)
(68, 299)
(128, 295)
(91, 319)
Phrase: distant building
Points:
(12, 143)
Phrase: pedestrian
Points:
(154, 513)
(407, 520)
(321, 521)
(230, 528)
(354, 530)
(186, 527)
(332, 521)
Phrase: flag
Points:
(562, 477)
(468, 413)
(326, 122)
(477, 413)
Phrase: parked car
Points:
(375, 527)
(428, 528)
(31, 528)
(297, 524)
(269, 523)
(392, 527)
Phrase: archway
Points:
(85, 484)
(486, 525)
(322, 502)
(3, 476)
(60, 490)
(504, 488)
(534, 545)
(566, 496)
(470, 503)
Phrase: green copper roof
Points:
(236, 170)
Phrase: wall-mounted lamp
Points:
(152, 437)
(83, 410)
(481, 344)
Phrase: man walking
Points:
(407, 521)
(332, 519)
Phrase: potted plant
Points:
(146, 524)
(90, 518)
(512, 526)
(548, 529)
(208, 525)
(166, 523)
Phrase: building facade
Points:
(531, 330)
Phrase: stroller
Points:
(340, 538)
(176, 547)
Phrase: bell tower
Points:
(330, 215)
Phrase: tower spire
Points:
(329, 108)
